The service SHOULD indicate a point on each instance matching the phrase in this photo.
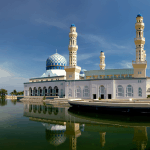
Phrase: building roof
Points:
(109, 72)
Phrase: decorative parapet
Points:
(77, 67)
(139, 38)
(139, 62)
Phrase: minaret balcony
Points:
(73, 34)
(139, 38)
(139, 62)
(139, 24)
(73, 46)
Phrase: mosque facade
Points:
(73, 82)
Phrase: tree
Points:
(3, 93)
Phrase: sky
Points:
(32, 30)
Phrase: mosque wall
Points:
(59, 84)
(106, 89)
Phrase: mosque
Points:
(73, 82)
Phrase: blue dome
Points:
(81, 72)
(73, 25)
(56, 61)
(101, 51)
(139, 15)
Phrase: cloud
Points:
(39, 59)
(11, 80)
(126, 64)
(53, 23)
(108, 47)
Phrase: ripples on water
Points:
(37, 126)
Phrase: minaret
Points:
(140, 64)
(102, 61)
(72, 71)
(73, 47)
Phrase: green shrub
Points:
(148, 96)
(44, 98)
(99, 98)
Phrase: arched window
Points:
(44, 91)
(56, 91)
(39, 91)
(129, 91)
(70, 93)
(30, 91)
(78, 92)
(102, 92)
(86, 91)
(61, 92)
(34, 91)
(119, 91)
(50, 91)
(140, 92)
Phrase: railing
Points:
(66, 67)
(73, 46)
(72, 33)
(139, 38)
(139, 62)
(139, 23)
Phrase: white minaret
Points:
(140, 64)
(73, 47)
(102, 61)
(72, 71)
(139, 40)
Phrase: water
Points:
(28, 127)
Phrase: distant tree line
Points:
(14, 92)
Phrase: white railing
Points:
(139, 62)
(76, 46)
(73, 33)
(66, 67)
(139, 38)
(139, 23)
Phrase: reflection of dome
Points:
(55, 133)
(55, 137)
(56, 61)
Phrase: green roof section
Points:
(109, 72)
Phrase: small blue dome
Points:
(101, 51)
(139, 15)
(56, 61)
(81, 72)
(73, 25)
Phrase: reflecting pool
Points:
(28, 126)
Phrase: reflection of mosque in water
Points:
(60, 124)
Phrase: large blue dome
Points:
(56, 61)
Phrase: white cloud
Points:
(126, 64)
(10, 80)
(109, 48)
(54, 23)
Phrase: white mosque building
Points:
(72, 82)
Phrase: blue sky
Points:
(32, 30)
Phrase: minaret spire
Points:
(56, 50)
